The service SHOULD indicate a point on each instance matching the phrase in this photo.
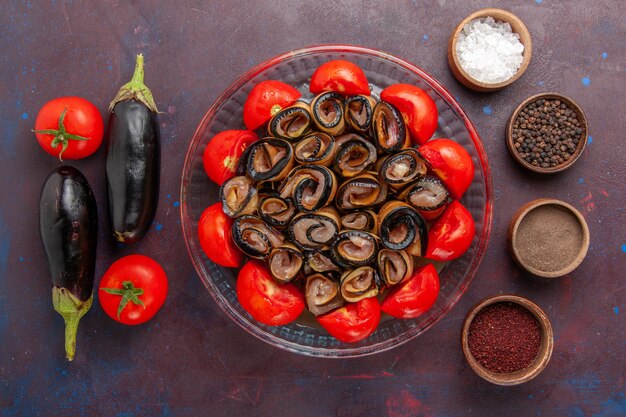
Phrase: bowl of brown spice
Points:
(507, 339)
(547, 133)
(548, 237)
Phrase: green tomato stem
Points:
(135, 89)
(60, 135)
(129, 293)
(71, 309)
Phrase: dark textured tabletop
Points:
(191, 360)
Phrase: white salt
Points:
(489, 51)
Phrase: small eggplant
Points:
(68, 224)
(327, 112)
(133, 159)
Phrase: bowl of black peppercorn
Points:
(547, 133)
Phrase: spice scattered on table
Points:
(504, 337)
(546, 133)
(489, 51)
(549, 238)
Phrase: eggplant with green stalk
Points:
(133, 159)
(68, 224)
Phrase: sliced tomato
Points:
(343, 77)
(451, 163)
(413, 297)
(214, 232)
(418, 109)
(353, 321)
(267, 301)
(451, 234)
(265, 100)
(223, 151)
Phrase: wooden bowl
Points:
(498, 14)
(540, 361)
(572, 220)
(510, 143)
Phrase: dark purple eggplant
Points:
(68, 224)
(133, 159)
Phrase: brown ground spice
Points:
(504, 337)
(549, 238)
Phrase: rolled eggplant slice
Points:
(402, 228)
(254, 237)
(310, 187)
(394, 266)
(322, 294)
(365, 220)
(354, 154)
(327, 112)
(320, 261)
(269, 159)
(316, 148)
(428, 195)
(403, 167)
(239, 197)
(314, 230)
(276, 211)
(359, 111)
(388, 129)
(363, 191)
(291, 123)
(358, 284)
(354, 248)
(285, 262)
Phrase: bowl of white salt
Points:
(489, 50)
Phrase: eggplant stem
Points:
(71, 309)
(135, 89)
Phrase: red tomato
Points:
(133, 289)
(214, 232)
(266, 300)
(223, 151)
(69, 127)
(418, 109)
(340, 76)
(265, 100)
(451, 234)
(452, 164)
(353, 321)
(414, 296)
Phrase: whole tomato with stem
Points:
(222, 153)
(265, 299)
(69, 127)
(413, 297)
(265, 100)
(451, 163)
(452, 233)
(353, 321)
(418, 109)
(133, 289)
(340, 76)
(215, 235)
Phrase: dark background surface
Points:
(191, 360)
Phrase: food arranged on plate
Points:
(334, 198)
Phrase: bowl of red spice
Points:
(547, 133)
(507, 339)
